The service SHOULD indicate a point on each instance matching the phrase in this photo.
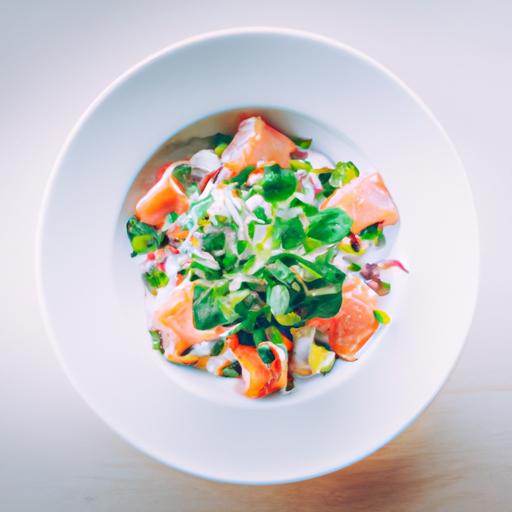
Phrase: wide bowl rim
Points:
(135, 69)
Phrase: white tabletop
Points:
(55, 57)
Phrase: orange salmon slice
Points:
(176, 318)
(366, 200)
(256, 141)
(166, 196)
(260, 379)
(353, 325)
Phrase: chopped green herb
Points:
(214, 241)
(206, 308)
(343, 173)
(266, 354)
(330, 226)
(381, 316)
(217, 348)
(155, 278)
(302, 143)
(242, 176)
(354, 267)
(278, 298)
(143, 237)
(259, 213)
(233, 370)
(278, 184)
(156, 340)
(241, 246)
(219, 149)
(290, 232)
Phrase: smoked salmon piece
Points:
(166, 196)
(261, 379)
(175, 318)
(353, 325)
(256, 141)
(366, 200)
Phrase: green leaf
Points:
(206, 309)
(242, 176)
(381, 316)
(354, 267)
(219, 149)
(172, 217)
(275, 335)
(233, 371)
(308, 209)
(259, 336)
(290, 232)
(343, 173)
(330, 226)
(156, 340)
(280, 271)
(214, 241)
(278, 298)
(249, 263)
(155, 278)
(288, 319)
(241, 246)
(297, 165)
(266, 354)
(278, 184)
(259, 213)
(302, 143)
(143, 237)
(222, 138)
(217, 348)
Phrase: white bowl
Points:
(93, 300)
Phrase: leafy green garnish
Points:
(241, 246)
(143, 237)
(297, 165)
(155, 278)
(259, 213)
(217, 348)
(302, 143)
(222, 138)
(288, 319)
(308, 209)
(381, 316)
(214, 241)
(242, 176)
(278, 184)
(172, 217)
(278, 298)
(290, 232)
(354, 267)
(343, 173)
(233, 370)
(156, 340)
(206, 308)
(330, 226)
(266, 354)
(219, 149)
(373, 233)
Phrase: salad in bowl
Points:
(256, 258)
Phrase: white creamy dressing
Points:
(216, 362)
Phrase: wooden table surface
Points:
(57, 455)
